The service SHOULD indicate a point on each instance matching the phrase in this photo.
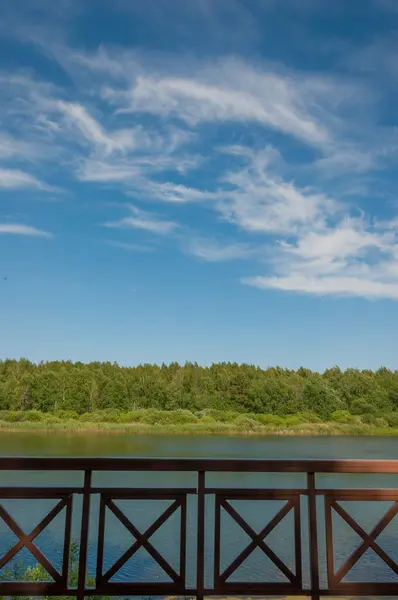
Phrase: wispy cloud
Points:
(131, 247)
(16, 179)
(18, 229)
(234, 91)
(141, 219)
(257, 199)
(122, 140)
(195, 101)
(328, 286)
(213, 251)
(312, 108)
(11, 148)
(175, 193)
(273, 155)
(348, 260)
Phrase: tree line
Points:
(84, 388)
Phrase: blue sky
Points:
(213, 180)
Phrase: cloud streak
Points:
(25, 230)
(17, 179)
(213, 251)
(141, 219)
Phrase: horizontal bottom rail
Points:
(165, 589)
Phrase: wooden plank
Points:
(198, 464)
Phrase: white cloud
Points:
(16, 179)
(176, 193)
(212, 251)
(328, 286)
(122, 140)
(316, 108)
(347, 260)
(261, 201)
(108, 172)
(141, 219)
(77, 115)
(132, 172)
(174, 130)
(18, 229)
(230, 92)
(309, 107)
(349, 238)
(15, 148)
(390, 224)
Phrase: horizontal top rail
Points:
(197, 465)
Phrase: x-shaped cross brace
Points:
(257, 541)
(142, 541)
(368, 541)
(26, 540)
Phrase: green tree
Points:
(115, 395)
(320, 398)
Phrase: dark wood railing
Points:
(318, 515)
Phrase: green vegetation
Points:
(157, 421)
(19, 572)
(221, 398)
(37, 573)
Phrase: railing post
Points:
(313, 536)
(81, 584)
(200, 564)
(66, 552)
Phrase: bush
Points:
(86, 418)
(182, 416)
(165, 417)
(11, 416)
(270, 420)
(293, 420)
(130, 417)
(219, 415)
(342, 416)
(66, 415)
(32, 416)
(150, 417)
(101, 416)
(309, 417)
(392, 419)
(230, 416)
(108, 418)
(161, 417)
(369, 419)
(50, 419)
(207, 419)
(108, 415)
(246, 423)
(380, 422)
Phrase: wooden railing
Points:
(319, 504)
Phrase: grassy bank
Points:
(184, 422)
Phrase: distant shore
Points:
(304, 429)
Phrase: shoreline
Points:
(308, 429)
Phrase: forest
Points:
(223, 391)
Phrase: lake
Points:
(142, 567)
